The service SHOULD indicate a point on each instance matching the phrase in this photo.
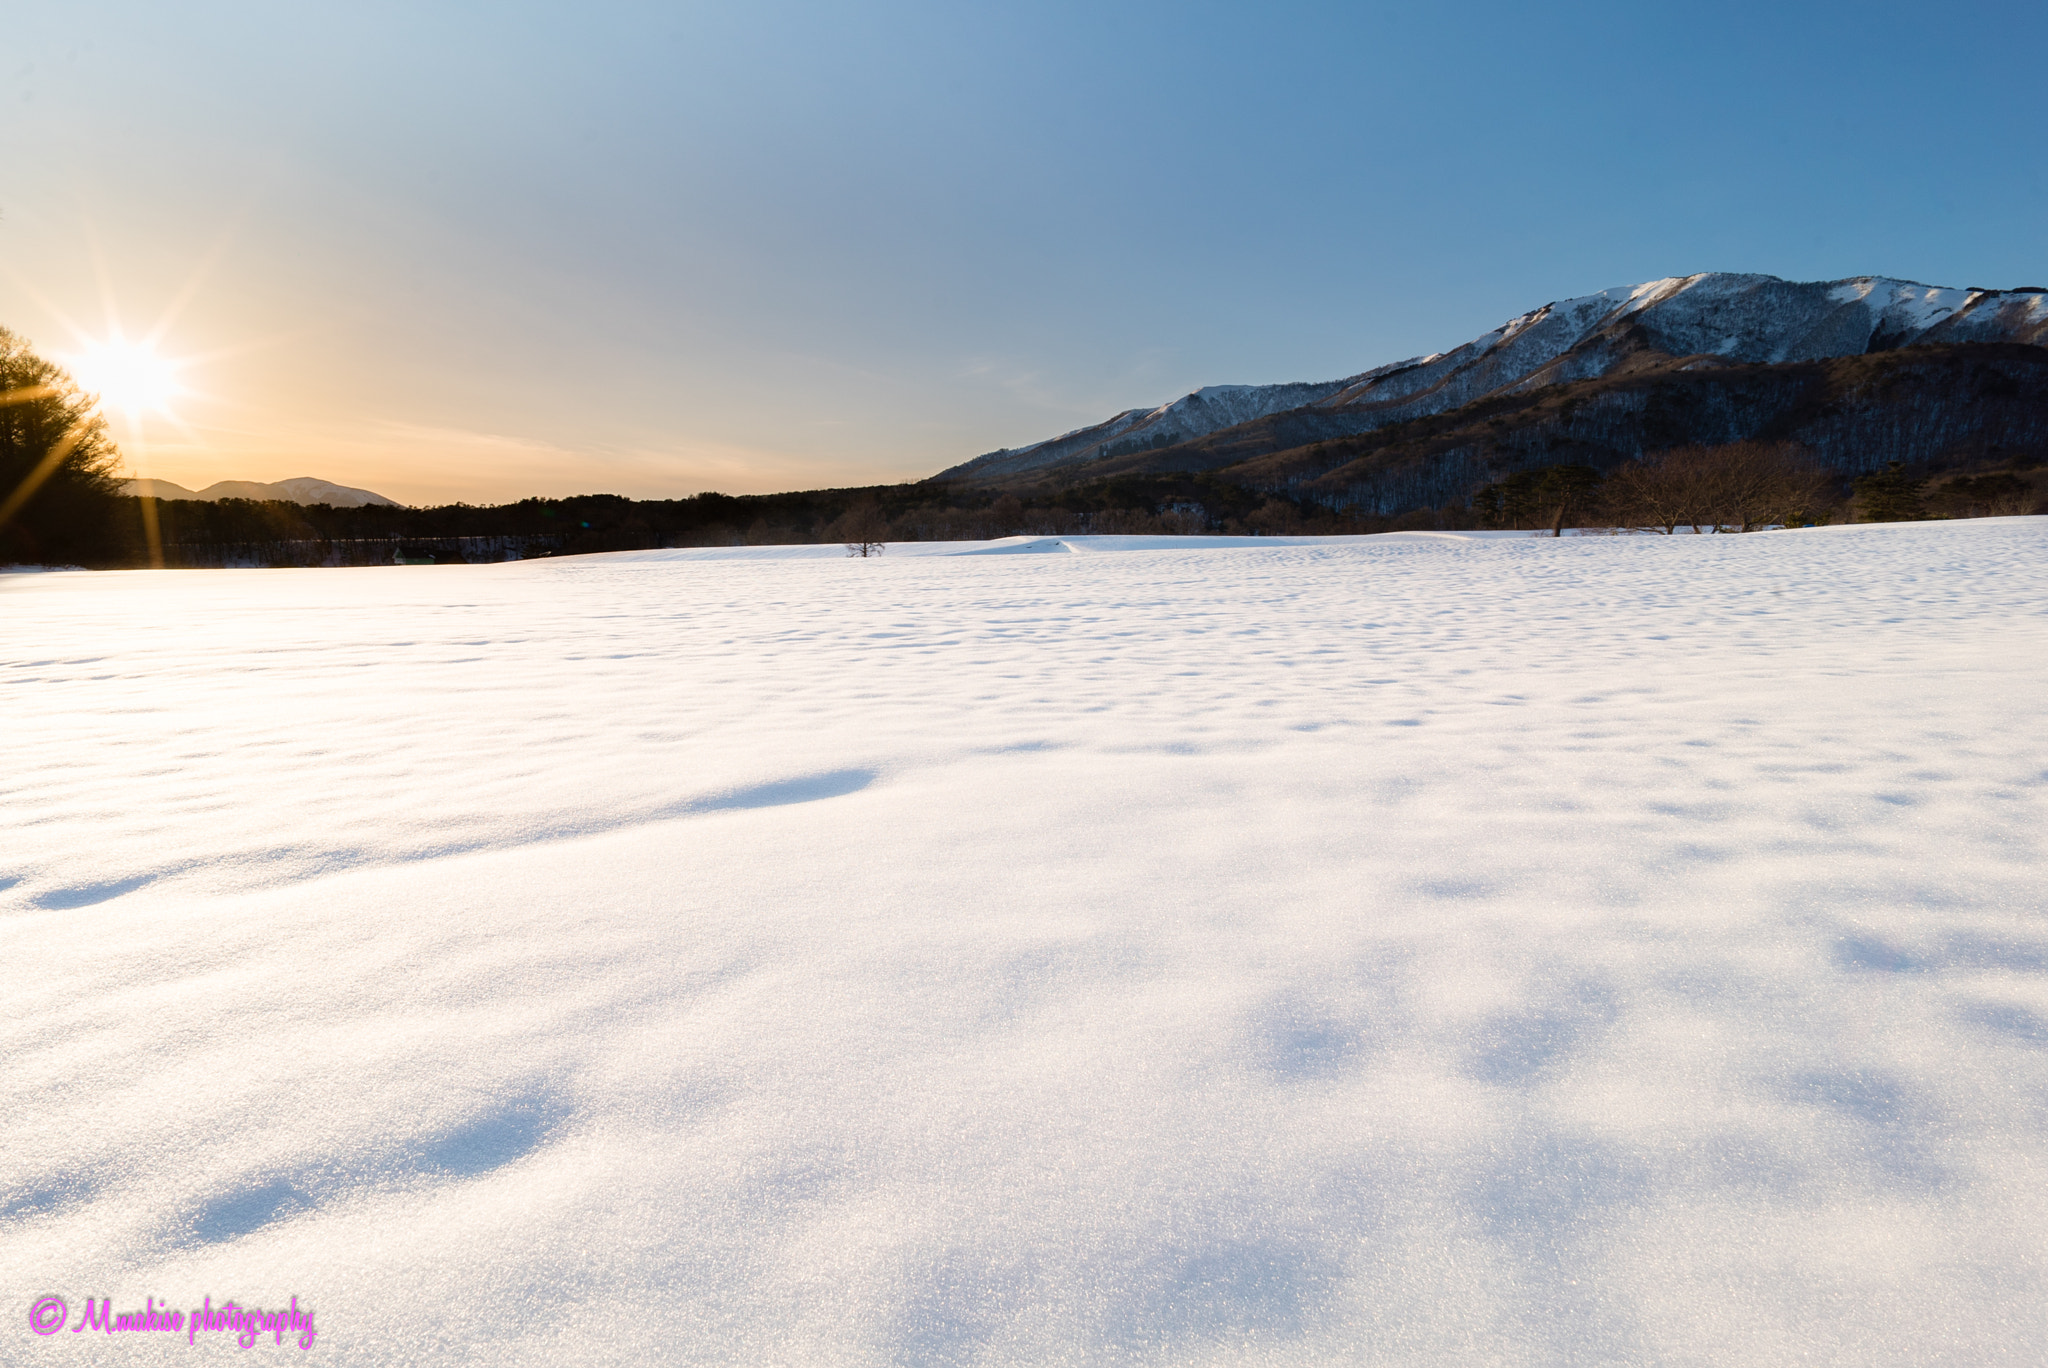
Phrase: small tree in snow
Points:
(863, 529)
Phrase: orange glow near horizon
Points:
(193, 410)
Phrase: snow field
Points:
(1396, 950)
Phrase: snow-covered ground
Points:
(1417, 949)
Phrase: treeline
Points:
(1744, 486)
(1735, 487)
(242, 532)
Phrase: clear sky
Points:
(483, 251)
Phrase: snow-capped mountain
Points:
(1207, 410)
(1717, 317)
(304, 489)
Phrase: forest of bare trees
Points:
(1745, 486)
(1740, 486)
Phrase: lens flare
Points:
(126, 375)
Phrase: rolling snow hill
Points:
(1711, 318)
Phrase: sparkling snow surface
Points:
(1403, 950)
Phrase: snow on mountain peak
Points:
(1743, 318)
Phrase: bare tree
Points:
(1124, 522)
(1275, 518)
(1006, 517)
(1996, 495)
(1662, 492)
(1763, 484)
(1743, 485)
(863, 529)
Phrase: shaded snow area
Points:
(1408, 950)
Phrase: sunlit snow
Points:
(1423, 950)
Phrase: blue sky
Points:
(455, 251)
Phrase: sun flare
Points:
(126, 375)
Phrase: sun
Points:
(126, 375)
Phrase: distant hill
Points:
(1752, 326)
(303, 490)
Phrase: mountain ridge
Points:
(303, 489)
(1701, 320)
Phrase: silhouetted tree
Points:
(58, 491)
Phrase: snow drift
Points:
(1402, 950)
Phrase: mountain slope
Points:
(1192, 415)
(304, 489)
(1708, 319)
(1936, 406)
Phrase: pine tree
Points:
(1891, 495)
(1567, 490)
(1544, 496)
